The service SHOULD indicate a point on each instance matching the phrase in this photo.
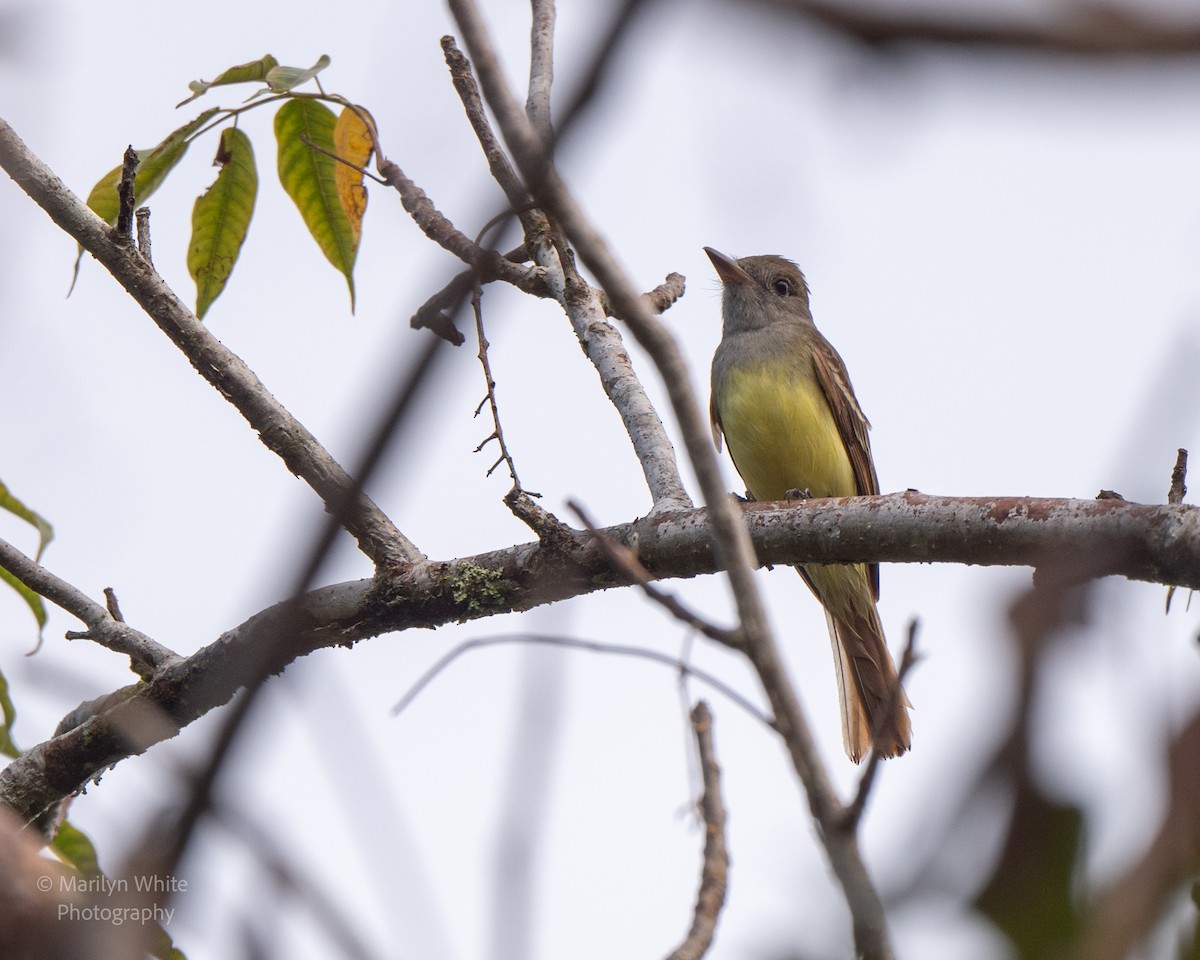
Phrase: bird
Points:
(783, 403)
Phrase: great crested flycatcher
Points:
(783, 401)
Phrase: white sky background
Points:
(1002, 248)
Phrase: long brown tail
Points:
(874, 707)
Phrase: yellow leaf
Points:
(353, 143)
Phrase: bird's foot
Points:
(794, 494)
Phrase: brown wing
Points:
(851, 422)
(715, 416)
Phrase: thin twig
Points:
(714, 873)
(1176, 493)
(110, 601)
(143, 235)
(436, 314)
(627, 561)
(438, 228)
(489, 383)
(498, 163)
(666, 293)
(853, 811)
(1178, 478)
(584, 307)
(592, 646)
(342, 160)
(125, 196)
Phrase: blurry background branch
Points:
(1081, 27)
(715, 869)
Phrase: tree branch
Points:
(1096, 29)
(1160, 543)
(498, 163)
(541, 68)
(106, 629)
(277, 428)
(625, 560)
(587, 311)
(715, 871)
(490, 264)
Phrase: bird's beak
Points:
(727, 268)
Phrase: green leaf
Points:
(283, 79)
(155, 164)
(74, 847)
(45, 535)
(310, 179)
(353, 143)
(7, 746)
(41, 524)
(32, 600)
(221, 217)
(242, 73)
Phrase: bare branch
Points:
(125, 197)
(662, 297)
(541, 69)
(1178, 478)
(279, 430)
(489, 383)
(110, 601)
(145, 655)
(584, 307)
(715, 871)
(1159, 543)
(489, 263)
(684, 668)
(1175, 494)
(605, 348)
(143, 235)
(437, 313)
(498, 163)
(1098, 29)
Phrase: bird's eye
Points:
(783, 287)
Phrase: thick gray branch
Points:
(1155, 543)
(220, 366)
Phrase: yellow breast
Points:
(781, 433)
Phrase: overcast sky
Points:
(1002, 248)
